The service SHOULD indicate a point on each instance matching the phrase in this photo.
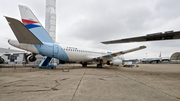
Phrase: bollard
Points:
(63, 69)
(14, 67)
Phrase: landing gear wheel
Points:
(99, 65)
(1, 60)
(84, 65)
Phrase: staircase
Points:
(46, 63)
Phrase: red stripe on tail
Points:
(28, 21)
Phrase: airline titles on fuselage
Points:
(80, 50)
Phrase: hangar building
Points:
(18, 58)
(175, 57)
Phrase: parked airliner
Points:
(33, 37)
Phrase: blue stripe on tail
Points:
(29, 26)
(41, 34)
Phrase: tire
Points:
(99, 65)
(1, 60)
(84, 65)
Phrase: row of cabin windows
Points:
(78, 50)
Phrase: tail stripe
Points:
(32, 26)
(28, 21)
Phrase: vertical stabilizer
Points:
(50, 23)
(160, 55)
(33, 24)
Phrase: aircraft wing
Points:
(121, 53)
(168, 35)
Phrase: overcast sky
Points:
(89, 22)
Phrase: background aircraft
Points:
(33, 37)
(155, 59)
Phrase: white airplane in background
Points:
(155, 59)
(33, 37)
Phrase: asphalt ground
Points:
(148, 82)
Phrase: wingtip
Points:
(104, 43)
(142, 46)
(10, 18)
(5, 16)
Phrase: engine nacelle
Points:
(115, 62)
(1, 60)
(31, 58)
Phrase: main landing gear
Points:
(100, 65)
(84, 64)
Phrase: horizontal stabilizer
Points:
(22, 34)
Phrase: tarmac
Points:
(148, 82)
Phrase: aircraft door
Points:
(55, 49)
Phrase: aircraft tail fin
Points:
(33, 24)
(160, 55)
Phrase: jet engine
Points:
(31, 58)
(1, 60)
(115, 62)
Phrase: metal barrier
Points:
(63, 69)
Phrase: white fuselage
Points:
(76, 53)
(73, 53)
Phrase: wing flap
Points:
(22, 34)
